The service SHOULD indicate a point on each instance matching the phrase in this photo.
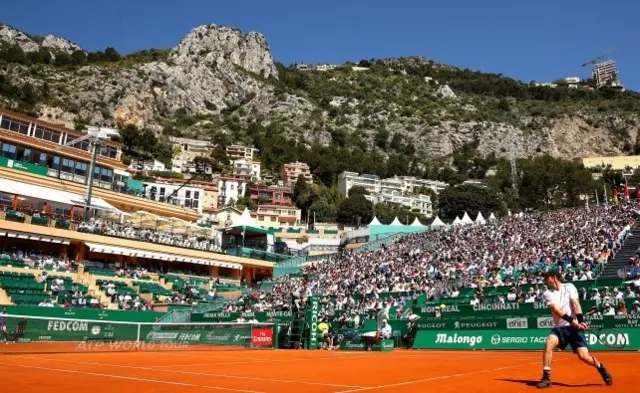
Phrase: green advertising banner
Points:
(86, 313)
(239, 334)
(498, 310)
(546, 322)
(225, 316)
(24, 329)
(23, 166)
(313, 323)
(510, 339)
(382, 346)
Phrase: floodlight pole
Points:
(92, 165)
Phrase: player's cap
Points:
(636, 302)
(615, 290)
(594, 289)
(607, 305)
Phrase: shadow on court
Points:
(534, 383)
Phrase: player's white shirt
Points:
(562, 299)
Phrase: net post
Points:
(138, 334)
(276, 333)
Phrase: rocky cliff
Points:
(218, 80)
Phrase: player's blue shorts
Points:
(570, 336)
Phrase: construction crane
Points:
(594, 61)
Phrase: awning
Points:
(29, 236)
(105, 249)
(13, 187)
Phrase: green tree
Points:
(63, 59)
(455, 201)
(14, 54)
(111, 54)
(243, 202)
(300, 188)
(381, 138)
(323, 210)
(551, 183)
(78, 57)
(355, 210)
(634, 179)
(358, 190)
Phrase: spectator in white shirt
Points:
(511, 296)
(629, 294)
(608, 310)
(617, 295)
(474, 300)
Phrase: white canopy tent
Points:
(245, 220)
(437, 222)
(492, 217)
(416, 223)
(480, 219)
(375, 221)
(396, 222)
(466, 219)
(457, 221)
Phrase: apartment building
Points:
(273, 216)
(420, 203)
(230, 189)
(348, 180)
(235, 152)
(374, 185)
(189, 197)
(281, 196)
(186, 150)
(247, 169)
(291, 171)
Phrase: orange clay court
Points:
(289, 371)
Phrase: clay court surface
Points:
(268, 371)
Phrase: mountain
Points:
(221, 84)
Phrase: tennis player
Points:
(569, 327)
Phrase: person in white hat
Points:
(636, 308)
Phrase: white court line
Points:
(357, 356)
(132, 378)
(393, 385)
(194, 373)
(213, 364)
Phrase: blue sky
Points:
(528, 40)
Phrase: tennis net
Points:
(31, 334)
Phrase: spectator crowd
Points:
(128, 231)
(512, 252)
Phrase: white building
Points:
(420, 203)
(374, 185)
(348, 180)
(230, 189)
(103, 132)
(247, 169)
(235, 152)
(186, 150)
(189, 197)
(152, 165)
(411, 183)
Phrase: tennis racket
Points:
(611, 338)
